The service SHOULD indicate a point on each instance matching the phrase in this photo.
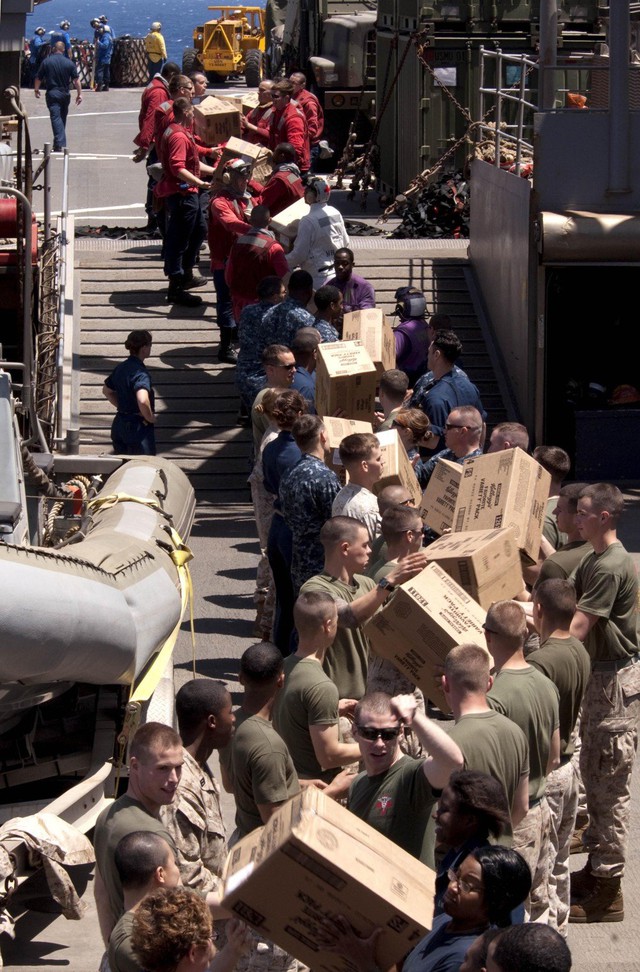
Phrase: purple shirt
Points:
(357, 293)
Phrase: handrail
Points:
(62, 284)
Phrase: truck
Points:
(228, 46)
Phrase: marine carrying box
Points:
(504, 489)
(420, 623)
(438, 502)
(313, 860)
(486, 563)
(337, 429)
(374, 329)
(397, 468)
(346, 379)
(216, 121)
(257, 156)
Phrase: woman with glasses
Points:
(173, 932)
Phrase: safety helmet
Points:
(156, 25)
(103, 19)
(95, 22)
(238, 165)
(320, 186)
(39, 30)
(410, 302)
(64, 25)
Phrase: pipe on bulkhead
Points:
(619, 121)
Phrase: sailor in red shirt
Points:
(254, 256)
(228, 218)
(288, 124)
(284, 186)
(311, 107)
(180, 86)
(261, 116)
(179, 190)
(153, 95)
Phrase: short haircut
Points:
(137, 340)
(312, 609)
(306, 340)
(325, 296)
(555, 460)
(166, 924)
(448, 344)
(507, 620)
(484, 798)
(286, 149)
(260, 216)
(571, 492)
(345, 249)
(197, 700)
(507, 881)
(138, 856)
(557, 597)
(394, 383)
(273, 352)
(605, 497)
(515, 433)
(396, 520)
(169, 70)
(532, 947)
(268, 287)
(338, 529)
(440, 322)
(178, 81)
(481, 947)
(283, 87)
(198, 74)
(415, 420)
(153, 736)
(357, 447)
(300, 281)
(377, 703)
(306, 431)
(261, 663)
(288, 406)
(300, 78)
(180, 108)
(393, 495)
(470, 416)
(467, 667)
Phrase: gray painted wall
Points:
(571, 168)
(499, 252)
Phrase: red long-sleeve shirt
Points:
(152, 97)
(227, 221)
(313, 113)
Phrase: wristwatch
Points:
(386, 586)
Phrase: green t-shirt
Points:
(564, 561)
(308, 698)
(347, 661)
(531, 700)
(121, 955)
(398, 804)
(493, 744)
(607, 587)
(124, 816)
(261, 770)
(550, 525)
(566, 662)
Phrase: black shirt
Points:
(57, 71)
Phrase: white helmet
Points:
(156, 25)
(64, 25)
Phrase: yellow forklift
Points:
(230, 45)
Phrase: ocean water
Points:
(127, 17)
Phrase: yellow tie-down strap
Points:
(106, 502)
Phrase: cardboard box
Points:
(486, 563)
(438, 501)
(337, 429)
(397, 466)
(257, 156)
(504, 489)
(416, 629)
(374, 329)
(315, 859)
(216, 121)
(346, 379)
(285, 224)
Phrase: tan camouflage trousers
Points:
(562, 796)
(265, 588)
(609, 730)
(532, 839)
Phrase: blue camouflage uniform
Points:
(306, 496)
(446, 393)
(423, 385)
(250, 377)
(424, 467)
(283, 320)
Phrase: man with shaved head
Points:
(462, 434)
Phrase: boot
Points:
(226, 354)
(582, 882)
(577, 838)
(193, 279)
(603, 903)
(176, 294)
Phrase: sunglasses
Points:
(372, 734)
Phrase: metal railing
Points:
(493, 101)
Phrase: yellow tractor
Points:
(230, 45)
